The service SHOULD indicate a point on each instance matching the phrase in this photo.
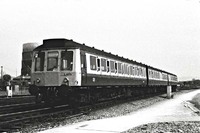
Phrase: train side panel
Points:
(102, 71)
(157, 78)
(172, 79)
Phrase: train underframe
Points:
(92, 94)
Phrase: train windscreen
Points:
(52, 61)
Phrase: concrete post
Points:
(169, 91)
(2, 73)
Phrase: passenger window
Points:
(66, 60)
(112, 66)
(119, 67)
(93, 65)
(138, 69)
(141, 72)
(128, 68)
(122, 69)
(125, 69)
(103, 64)
(144, 72)
(131, 70)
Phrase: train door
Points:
(147, 75)
(83, 69)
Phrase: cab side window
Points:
(66, 60)
(39, 61)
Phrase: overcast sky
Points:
(162, 33)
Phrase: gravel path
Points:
(114, 111)
(167, 127)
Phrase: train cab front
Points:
(53, 74)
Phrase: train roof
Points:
(63, 43)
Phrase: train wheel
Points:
(75, 104)
(38, 98)
(56, 93)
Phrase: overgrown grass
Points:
(196, 100)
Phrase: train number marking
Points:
(66, 74)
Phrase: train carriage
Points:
(62, 67)
(157, 77)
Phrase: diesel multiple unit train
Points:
(66, 69)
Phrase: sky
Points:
(161, 33)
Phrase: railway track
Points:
(20, 107)
(12, 121)
(16, 100)
(15, 121)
